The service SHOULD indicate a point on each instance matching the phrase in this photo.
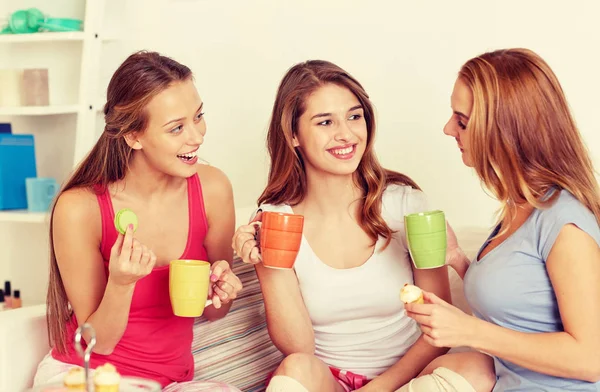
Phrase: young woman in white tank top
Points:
(337, 316)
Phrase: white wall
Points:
(405, 53)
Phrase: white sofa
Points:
(23, 343)
(23, 332)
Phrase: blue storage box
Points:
(17, 162)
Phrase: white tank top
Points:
(356, 313)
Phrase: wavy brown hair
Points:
(287, 176)
(524, 141)
(140, 78)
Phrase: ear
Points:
(295, 142)
(132, 141)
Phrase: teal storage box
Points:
(17, 162)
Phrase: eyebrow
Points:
(359, 106)
(182, 118)
(459, 114)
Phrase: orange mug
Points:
(280, 238)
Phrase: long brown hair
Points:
(287, 177)
(524, 141)
(141, 77)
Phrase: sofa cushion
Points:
(237, 349)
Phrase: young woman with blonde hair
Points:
(336, 315)
(534, 286)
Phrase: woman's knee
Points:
(476, 368)
(297, 365)
(446, 361)
(308, 370)
(479, 370)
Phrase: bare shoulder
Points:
(78, 207)
(217, 193)
(215, 183)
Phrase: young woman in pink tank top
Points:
(145, 160)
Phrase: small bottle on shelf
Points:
(7, 295)
(1, 300)
(16, 300)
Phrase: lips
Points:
(460, 147)
(189, 157)
(343, 152)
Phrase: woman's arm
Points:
(455, 257)
(100, 301)
(421, 353)
(574, 269)
(220, 214)
(288, 321)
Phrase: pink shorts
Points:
(348, 380)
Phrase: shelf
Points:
(43, 37)
(23, 216)
(38, 110)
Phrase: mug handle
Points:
(256, 220)
(209, 301)
(258, 225)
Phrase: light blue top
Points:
(510, 287)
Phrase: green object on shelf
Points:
(33, 20)
(25, 21)
(62, 24)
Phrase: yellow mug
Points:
(188, 287)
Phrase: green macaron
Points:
(124, 218)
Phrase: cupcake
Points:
(106, 378)
(410, 294)
(75, 379)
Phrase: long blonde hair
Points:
(142, 76)
(524, 141)
(287, 177)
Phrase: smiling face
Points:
(462, 105)
(332, 132)
(175, 130)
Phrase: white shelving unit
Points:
(87, 105)
(43, 37)
(39, 110)
(23, 216)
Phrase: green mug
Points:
(426, 237)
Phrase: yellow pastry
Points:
(75, 379)
(411, 294)
(106, 378)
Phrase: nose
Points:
(343, 132)
(196, 136)
(450, 129)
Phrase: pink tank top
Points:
(156, 343)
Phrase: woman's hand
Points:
(245, 241)
(129, 260)
(455, 257)
(443, 325)
(225, 285)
